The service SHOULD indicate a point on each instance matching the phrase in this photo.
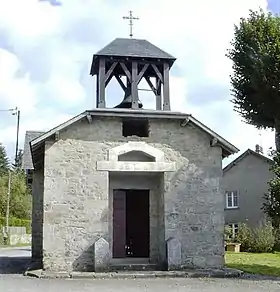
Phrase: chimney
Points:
(259, 149)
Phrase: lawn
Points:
(257, 263)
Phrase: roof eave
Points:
(94, 64)
(226, 146)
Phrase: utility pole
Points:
(8, 200)
(8, 204)
(15, 112)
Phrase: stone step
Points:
(134, 267)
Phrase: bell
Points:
(127, 101)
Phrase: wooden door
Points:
(119, 224)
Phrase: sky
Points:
(46, 50)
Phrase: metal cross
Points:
(130, 18)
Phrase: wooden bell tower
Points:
(129, 61)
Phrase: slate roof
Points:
(27, 160)
(133, 48)
(245, 154)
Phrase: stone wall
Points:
(15, 239)
(76, 194)
(37, 216)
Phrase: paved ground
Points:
(13, 262)
(11, 283)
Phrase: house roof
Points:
(27, 160)
(133, 48)
(245, 154)
(37, 144)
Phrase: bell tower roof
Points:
(132, 48)
(129, 61)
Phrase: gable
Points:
(27, 159)
(180, 120)
(249, 156)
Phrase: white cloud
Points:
(15, 91)
(52, 47)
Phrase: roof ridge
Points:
(242, 156)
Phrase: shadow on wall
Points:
(85, 262)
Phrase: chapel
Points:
(126, 187)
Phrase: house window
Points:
(231, 200)
(234, 229)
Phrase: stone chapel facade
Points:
(127, 186)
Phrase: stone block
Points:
(174, 257)
(101, 255)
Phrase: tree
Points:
(4, 160)
(255, 53)
(271, 204)
(20, 199)
(18, 162)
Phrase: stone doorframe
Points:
(153, 165)
(113, 164)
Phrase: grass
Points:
(256, 263)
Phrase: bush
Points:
(227, 234)
(245, 237)
(259, 239)
(277, 240)
(264, 238)
(17, 222)
(1, 238)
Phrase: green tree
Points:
(20, 199)
(255, 53)
(18, 162)
(4, 161)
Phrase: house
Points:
(125, 186)
(245, 182)
(27, 164)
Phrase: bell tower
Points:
(129, 61)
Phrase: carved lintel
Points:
(89, 118)
(214, 142)
(126, 71)
(159, 75)
(56, 136)
(120, 82)
(185, 122)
